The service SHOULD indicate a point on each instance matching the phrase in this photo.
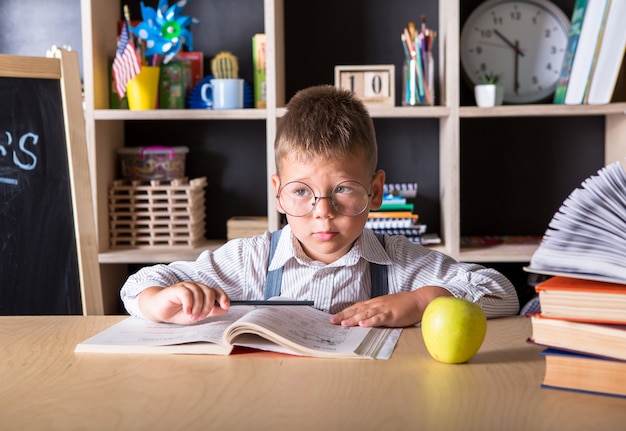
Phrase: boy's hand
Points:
(183, 303)
(397, 310)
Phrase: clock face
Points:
(523, 42)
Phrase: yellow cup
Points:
(143, 89)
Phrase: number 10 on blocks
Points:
(374, 85)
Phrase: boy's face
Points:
(325, 234)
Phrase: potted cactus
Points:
(488, 93)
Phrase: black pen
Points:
(272, 302)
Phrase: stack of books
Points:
(582, 317)
(397, 216)
(595, 50)
(583, 325)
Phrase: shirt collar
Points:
(366, 246)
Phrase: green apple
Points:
(453, 329)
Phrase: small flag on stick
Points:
(126, 63)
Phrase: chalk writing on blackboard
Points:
(48, 244)
(21, 152)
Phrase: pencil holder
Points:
(143, 89)
(417, 82)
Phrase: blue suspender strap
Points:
(378, 274)
(274, 278)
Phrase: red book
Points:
(585, 300)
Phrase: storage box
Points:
(153, 163)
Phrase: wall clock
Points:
(522, 41)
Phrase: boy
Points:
(326, 182)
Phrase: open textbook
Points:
(295, 330)
(586, 238)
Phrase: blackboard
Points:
(48, 252)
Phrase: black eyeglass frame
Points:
(316, 199)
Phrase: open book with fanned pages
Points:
(586, 238)
(294, 330)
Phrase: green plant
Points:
(490, 78)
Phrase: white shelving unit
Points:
(105, 132)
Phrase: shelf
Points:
(400, 112)
(542, 110)
(181, 114)
(498, 253)
(437, 137)
(156, 254)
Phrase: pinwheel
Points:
(164, 30)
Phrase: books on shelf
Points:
(576, 23)
(610, 54)
(580, 299)
(577, 372)
(391, 222)
(395, 197)
(296, 330)
(405, 190)
(586, 237)
(396, 215)
(415, 234)
(584, 37)
(259, 61)
(597, 339)
(595, 50)
(396, 205)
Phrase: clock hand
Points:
(517, 56)
(497, 45)
(508, 42)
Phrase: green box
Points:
(259, 61)
(172, 86)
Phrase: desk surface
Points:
(44, 385)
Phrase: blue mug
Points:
(224, 94)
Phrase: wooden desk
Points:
(45, 386)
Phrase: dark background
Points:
(515, 172)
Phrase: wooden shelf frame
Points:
(105, 129)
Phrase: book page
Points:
(586, 236)
(134, 335)
(307, 331)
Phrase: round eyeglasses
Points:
(348, 198)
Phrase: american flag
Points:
(126, 63)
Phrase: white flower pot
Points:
(485, 95)
(499, 95)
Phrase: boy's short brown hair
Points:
(326, 122)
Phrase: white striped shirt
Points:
(240, 268)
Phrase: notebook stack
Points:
(582, 323)
(396, 216)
